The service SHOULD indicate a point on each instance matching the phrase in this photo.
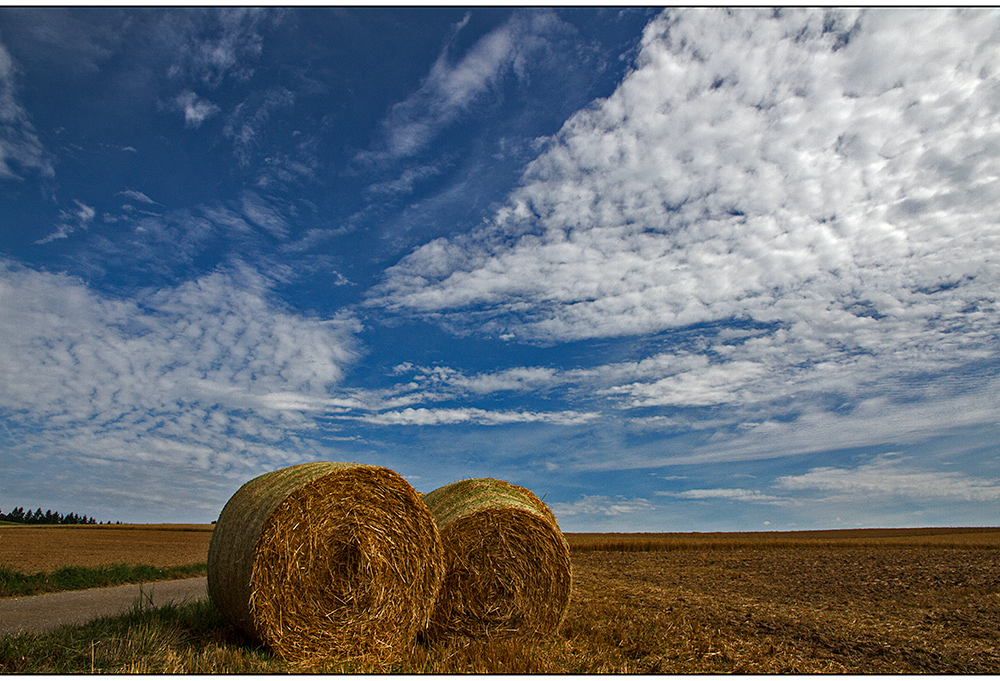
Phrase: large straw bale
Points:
(324, 560)
(507, 567)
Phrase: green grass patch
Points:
(72, 578)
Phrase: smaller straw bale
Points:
(324, 560)
(507, 566)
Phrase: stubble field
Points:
(916, 607)
(860, 601)
(43, 548)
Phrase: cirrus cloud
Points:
(19, 144)
(452, 86)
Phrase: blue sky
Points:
(674, 271)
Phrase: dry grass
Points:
(507, 567)
(327, 559)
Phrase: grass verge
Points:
(167, 639)
(194, 638)
(71, 577)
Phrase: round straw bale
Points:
(325, 560)
(507, 567)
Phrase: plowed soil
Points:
(44, 548)
(867, 609)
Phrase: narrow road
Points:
(48, 611)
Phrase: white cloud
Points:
(20, 147)
(246, 123)
(451, 87)
(210, 371)
(216, 43)
(600, 505)
(453, 381)
(405, 183)
(196, 110)
(261, 213)
(71, 221)
(137, 196)
(701, 386)
(160, 242)
(423, 416)
(814, 175)
(743, 169)
(870, 421)
(889, 476)
(729, 494)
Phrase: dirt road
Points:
(48, 611)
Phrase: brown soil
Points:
(865, 609)
(39, 548)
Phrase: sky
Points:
(681, 270)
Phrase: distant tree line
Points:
(37, 517)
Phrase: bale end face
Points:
(507, 566)
(333, 560)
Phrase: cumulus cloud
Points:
(210, 373)
(805, 199)
(743, 168)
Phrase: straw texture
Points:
(507, 566)
(325, 560)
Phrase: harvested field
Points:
(958, 537)
(806, 609)
(857, 601)
(44, 548)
